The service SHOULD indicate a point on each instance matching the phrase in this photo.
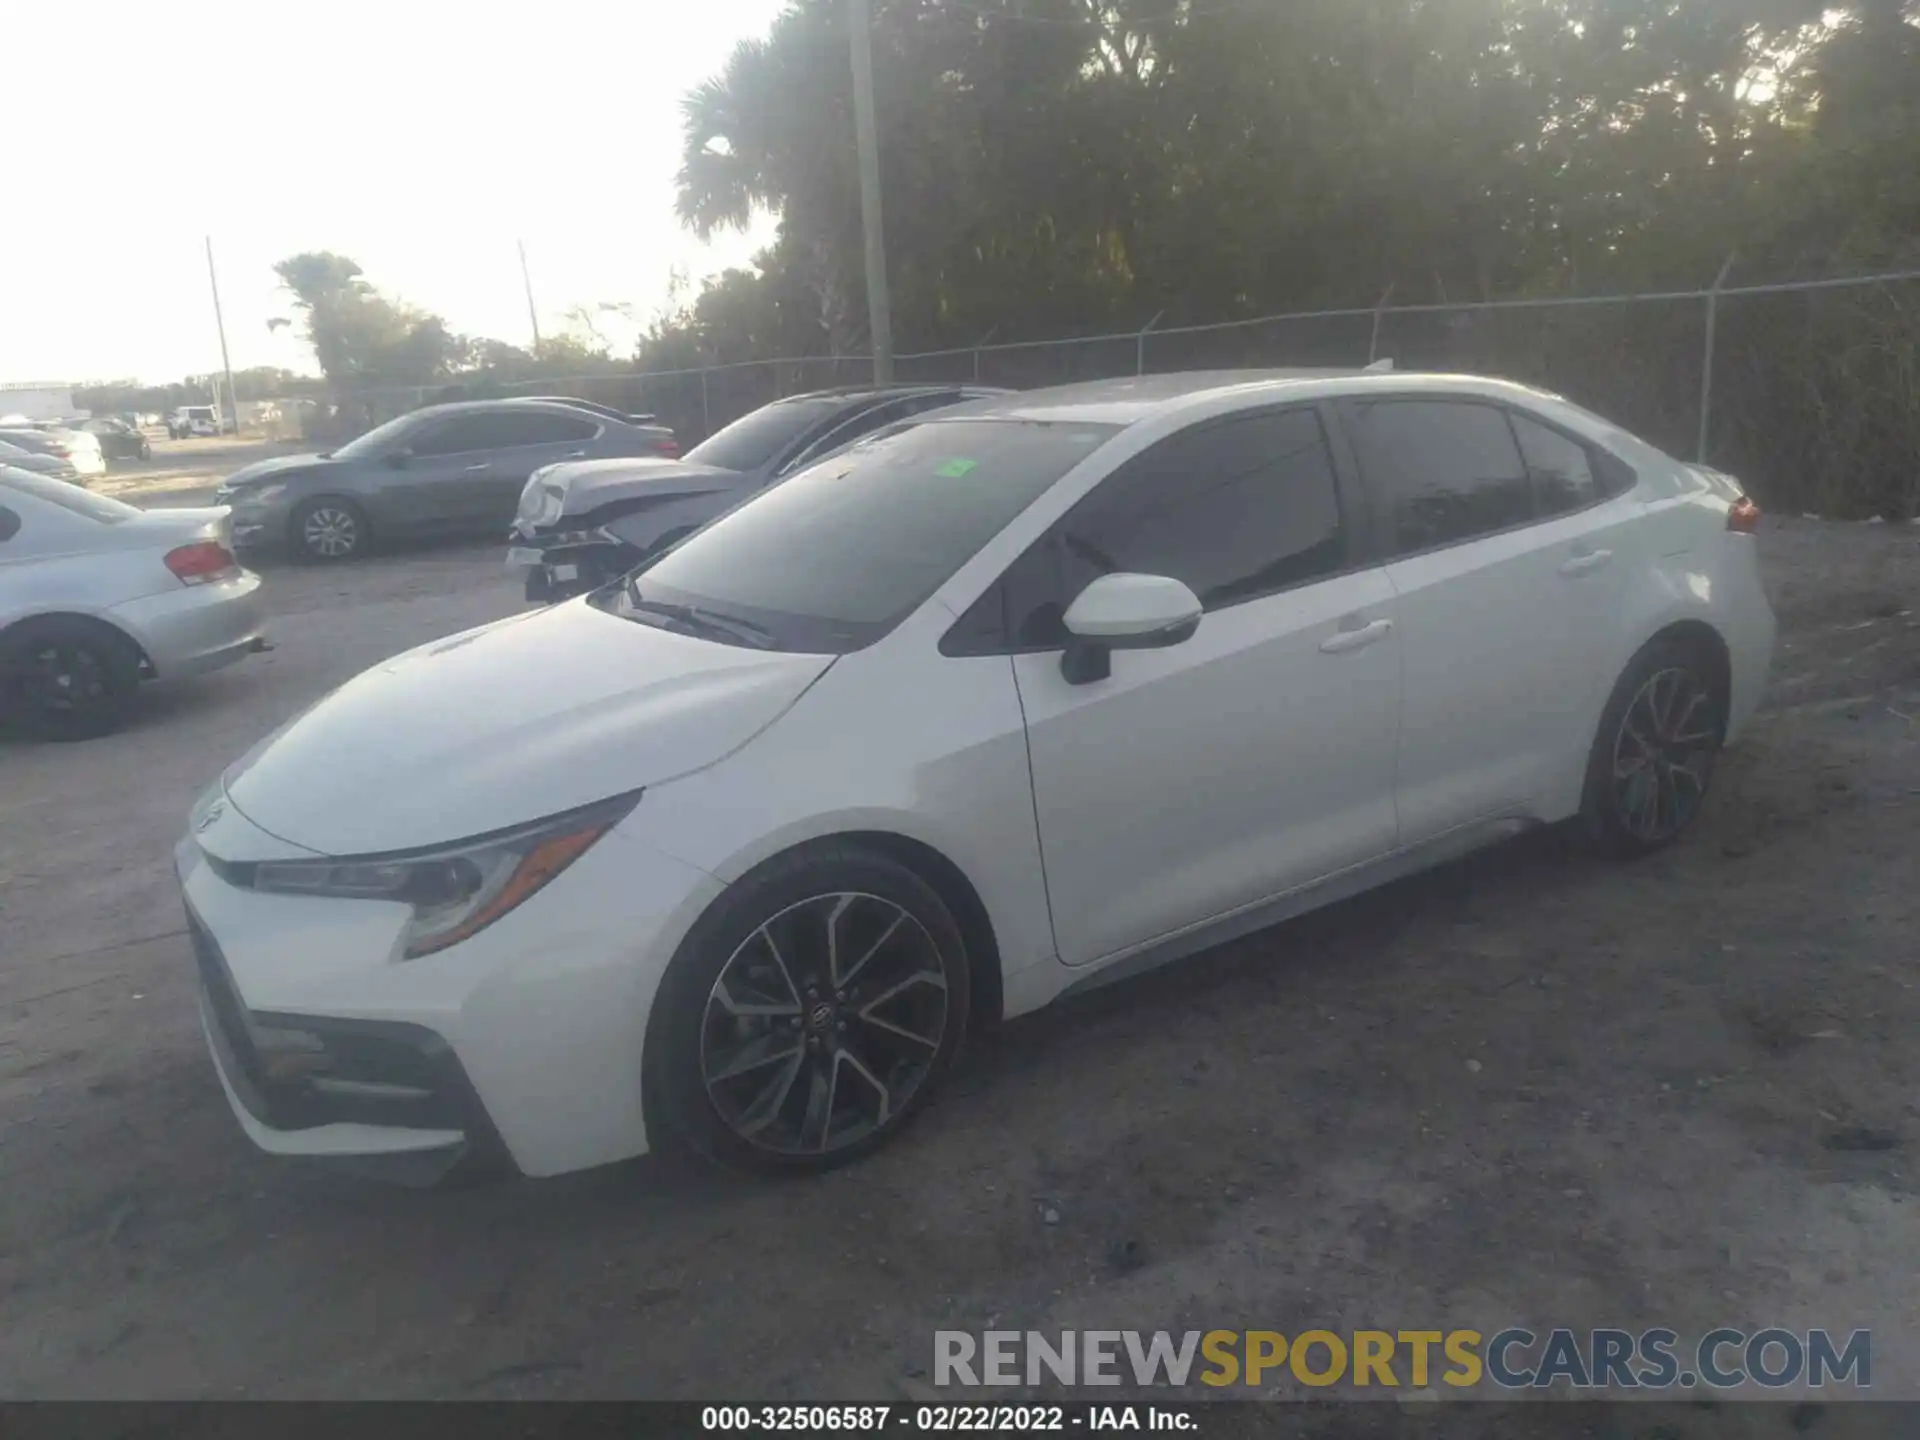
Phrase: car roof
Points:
(503, 402)
(1131, 399)
(851, 394)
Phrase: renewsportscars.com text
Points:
(1512, 1359)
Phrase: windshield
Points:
(833, 558)
(755, 439)
(103, 508)
(376, 441)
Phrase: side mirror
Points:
(1125, 612)
(401, 458)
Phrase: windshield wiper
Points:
(697, 618)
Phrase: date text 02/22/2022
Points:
(943, 1418)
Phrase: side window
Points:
(538, 427)
(1562, 469)
(9, 524)
(1237, 508)
(504, 430)
(848, 431)
(449, 437)
(1444, 471)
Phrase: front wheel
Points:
(809, 1014)
(326, 530)
(1653, 757)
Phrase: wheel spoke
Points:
(931, 1042)
(747, 1009)
(754, 1055)
(768, 1104)
(1666, 809)
(780, 962)
(842, 981)
(1693, 778)
(854, 1063)
(1695, 700)
(817, 1126)
(919, 977)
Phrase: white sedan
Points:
(1002, 704)
(97, 596)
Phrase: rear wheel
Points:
(327, 529)
(1653, 758)
(67, 679)
(809, 1014)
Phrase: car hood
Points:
(590, 484)
(523, 718)
(278, 465)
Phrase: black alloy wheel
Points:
(810, 1014)
(1653, 758)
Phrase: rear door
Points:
(1500, 604)
(1249, 760)
(466, 471)
(523, 441)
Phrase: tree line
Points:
(1063, 167)
(1059, 167)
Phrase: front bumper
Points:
(354, 1089)
(522, 1043)
(196, 628)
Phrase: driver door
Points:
(1255, 757)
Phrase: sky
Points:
(419, 137)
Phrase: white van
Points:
(192, 420)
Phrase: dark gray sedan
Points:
(446, 469)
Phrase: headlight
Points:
(542, 502)
(458, 890)
(255, 494)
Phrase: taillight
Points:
(1743, 516)
(202, 562)
(669, 448)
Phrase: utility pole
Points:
(526, 280)
(233, 398)
(879, 314)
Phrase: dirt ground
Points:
(1531, 1088)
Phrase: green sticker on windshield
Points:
(955, 468)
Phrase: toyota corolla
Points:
(1009, 702)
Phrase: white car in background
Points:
(97, 597)
(76, 448)
(1001, 704)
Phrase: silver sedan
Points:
(97, 596)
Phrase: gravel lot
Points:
(1530, 1088)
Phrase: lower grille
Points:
(295, 1072)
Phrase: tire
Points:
(67, 678)
(327, 529)
(1653, 755)
(872, 1048)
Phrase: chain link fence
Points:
(1810, 391)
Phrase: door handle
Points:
(1343, 640)
(483, 465)
(576, 454)
(1585, 561)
